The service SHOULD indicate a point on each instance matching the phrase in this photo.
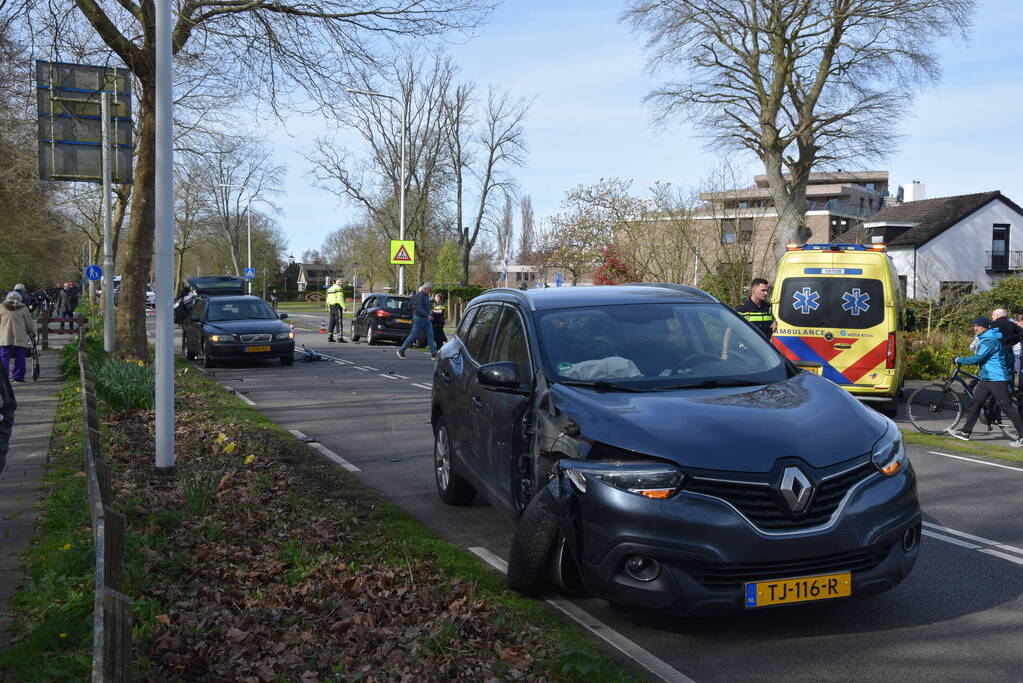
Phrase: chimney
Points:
(914, 192)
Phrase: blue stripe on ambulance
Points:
(804, 352)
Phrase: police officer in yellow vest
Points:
(335, 304)
(757, 309)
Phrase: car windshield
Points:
(239, 310)
(656, 346)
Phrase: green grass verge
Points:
(53, 610)
(992, 450)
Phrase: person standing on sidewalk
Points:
(8, 405)
(422, 317)
(994, 381)
(335, 304)
(17, 329)
(757, 309)
(67, 302)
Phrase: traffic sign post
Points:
(557, 279)
(250, 273)
(93, 273)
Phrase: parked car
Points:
(218, 322)
(382, 316)
(657, 452)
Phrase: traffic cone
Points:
(291, 324)
(323, 326)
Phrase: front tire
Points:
(452, 488)
(533, 548)
(355, 334)
(288, 360)
(207, 361)
(186, 348)
(934, 409)
(371, 338)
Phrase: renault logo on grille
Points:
(795, 488)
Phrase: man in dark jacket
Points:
(422, 316)
(7, 407)
(67, 302)
(1010, 332)
(994, 381)
(757, 309)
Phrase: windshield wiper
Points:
(600, 386)
(714, 383)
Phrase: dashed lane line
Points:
(979, 462)
(401, 376)
(656, 666)
(384, 374)
(423, 386)
(362, 368)
(331, 455)
(973, 542)
(244, 398)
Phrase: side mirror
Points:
(284, 316)
(910, 322)
(503, 375)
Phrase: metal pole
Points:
(164, 239)
(248, 231)
(401, 198)
(108, 230)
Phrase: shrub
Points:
(125, 385)
(933, 360)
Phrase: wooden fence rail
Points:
(111, 634)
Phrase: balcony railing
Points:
(1004, 261)
(843, 208)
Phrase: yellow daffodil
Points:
(229, 448)
(221, 437)
(67, 546)
(63, 635)
(249, 459)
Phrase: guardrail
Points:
(111, 634)
(45, 320)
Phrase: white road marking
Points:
(244, 398)
(362, 368)
(979, 462)
(949, 539)
(658, 667)
(1011, 548)
(1010, 558)
(401, 376)
(423, 386)
(331, 455)
(979, 544)
(370, 367)
(383, 374)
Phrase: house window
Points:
(745, 233)
(953, 291)
(727, 231)
(999, 247)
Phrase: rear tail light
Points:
(889, 358)
(381, 313)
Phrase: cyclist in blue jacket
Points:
(994, 381)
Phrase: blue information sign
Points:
(557, 279)
(250, 273)
(94, 273)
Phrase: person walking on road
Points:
(438, 320)
(994, 381)
(8, 405)
(757, 309)
(422, 318)
(335, 304)
(17, 330)
(273, 298)
(1010, 332)
(67, 302)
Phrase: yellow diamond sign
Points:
(403, 252)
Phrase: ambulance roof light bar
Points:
(835, 247)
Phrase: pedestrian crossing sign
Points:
(403, 252)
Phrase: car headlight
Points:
(647, 479)
(889, 453)
(221, 338)
(284, 335)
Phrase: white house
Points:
(948, 246)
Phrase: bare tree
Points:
(799, 84)
(268, 48)
(526, 234)
(482, 155)
(505, 228)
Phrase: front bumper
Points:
(225, 351)
(707, 550)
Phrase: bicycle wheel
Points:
(935, 408)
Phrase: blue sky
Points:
(586, 73)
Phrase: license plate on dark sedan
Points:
(404, 321)
(803, 589)
(256, 349)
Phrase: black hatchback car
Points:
(218, 322)
(659, 453)
(382, 317)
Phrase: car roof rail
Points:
(694, 291)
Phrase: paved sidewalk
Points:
(21, 480)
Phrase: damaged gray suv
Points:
(657, 452)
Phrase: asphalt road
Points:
(959, 615)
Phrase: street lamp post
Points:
(401, 194)
(248, 233)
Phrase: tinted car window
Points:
(463, 327)
(656, 345)
(842, 302)
(479, 333)
(394, 303)
(239, 310)
(510, 343)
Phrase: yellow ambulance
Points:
(838, 311)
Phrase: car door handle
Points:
(477, 402)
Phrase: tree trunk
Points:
(138, 246)
(789, 202)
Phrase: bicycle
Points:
(937, 408)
